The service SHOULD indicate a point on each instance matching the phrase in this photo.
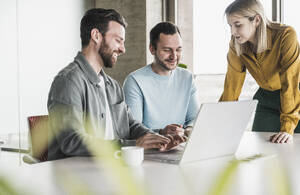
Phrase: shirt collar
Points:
(89, 71)
(103, 74)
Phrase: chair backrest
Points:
(38, 128)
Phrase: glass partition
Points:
(38, 38)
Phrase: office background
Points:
(38, 38)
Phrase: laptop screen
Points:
(218, 129)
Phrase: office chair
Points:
(38, 130)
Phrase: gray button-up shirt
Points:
(77, 111)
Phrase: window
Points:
(212, 35)
(291, 14)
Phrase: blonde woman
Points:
(270, 53)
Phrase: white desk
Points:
(260, 176)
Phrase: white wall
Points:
(48, 40)
(8, 71)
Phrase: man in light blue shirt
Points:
(161, 95)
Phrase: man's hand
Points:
(175, 141)
(281, 137)
(150, 140)
(172, 129)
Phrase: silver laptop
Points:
(217, 132)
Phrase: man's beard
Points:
(161, 63)
(106, 55)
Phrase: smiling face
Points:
(168, 51)
(243, 29)
(112, 44)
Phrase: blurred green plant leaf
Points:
(6, 187)
(182, 65)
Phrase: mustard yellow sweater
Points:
(278, 67)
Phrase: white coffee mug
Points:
(132, 155)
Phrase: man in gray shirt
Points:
(85, 104)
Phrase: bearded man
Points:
(162, 95)
(85, 104)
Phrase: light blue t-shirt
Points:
(158, 101)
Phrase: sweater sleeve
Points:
(289, 79)
(235, 76)
(133, 98)
(193, 106)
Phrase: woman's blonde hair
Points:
(249, 9)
